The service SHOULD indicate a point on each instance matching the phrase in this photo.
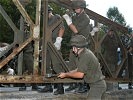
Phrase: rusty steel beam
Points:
(106, 65)
(15, 52)
(59, 57)
(106, 21)
(34, 79)
(41, 79)
(44, 37)
(119, 68)
(36, 35)
(47, 42)
(52, 47)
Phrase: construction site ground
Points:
(13, 93)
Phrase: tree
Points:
(116, 16)
(6, 33)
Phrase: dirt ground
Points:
(124, 94)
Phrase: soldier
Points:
(27, 52)
(109, 48)
(130, 60)
(79, 23)
(88, 68)
(57, 34)
(27, 57)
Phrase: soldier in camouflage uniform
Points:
(27, 57)
(88, 68)
(57, 34)
(130, 60)
(79, 23)
(109, 48)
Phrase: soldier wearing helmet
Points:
(78, 41)
(130, 58)
(50, 9)
(78, 4)
(57, 35)
(79, 23)
(87, 68)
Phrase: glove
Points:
(118, 49)
(68, 19)
(10, 71)
(3, 48)
(58, 43)
(95, 29)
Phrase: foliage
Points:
(31, 9)
(116, 16)
(6, 33)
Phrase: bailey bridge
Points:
(97, 41)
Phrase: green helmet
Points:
(50, 8)
(78, 41)
(78, 4)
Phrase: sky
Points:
(124, 6)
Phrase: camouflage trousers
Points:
(96, 91)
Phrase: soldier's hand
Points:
(58, 43)
(94, 30)
(10, 71)
(62, 75)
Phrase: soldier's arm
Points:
(72, 74)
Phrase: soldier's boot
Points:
(60, 89)
(55, 85)
(83, 88)
(47, 89)
(130, 85)
(1, 85)
(71, 87)
(35, 87)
